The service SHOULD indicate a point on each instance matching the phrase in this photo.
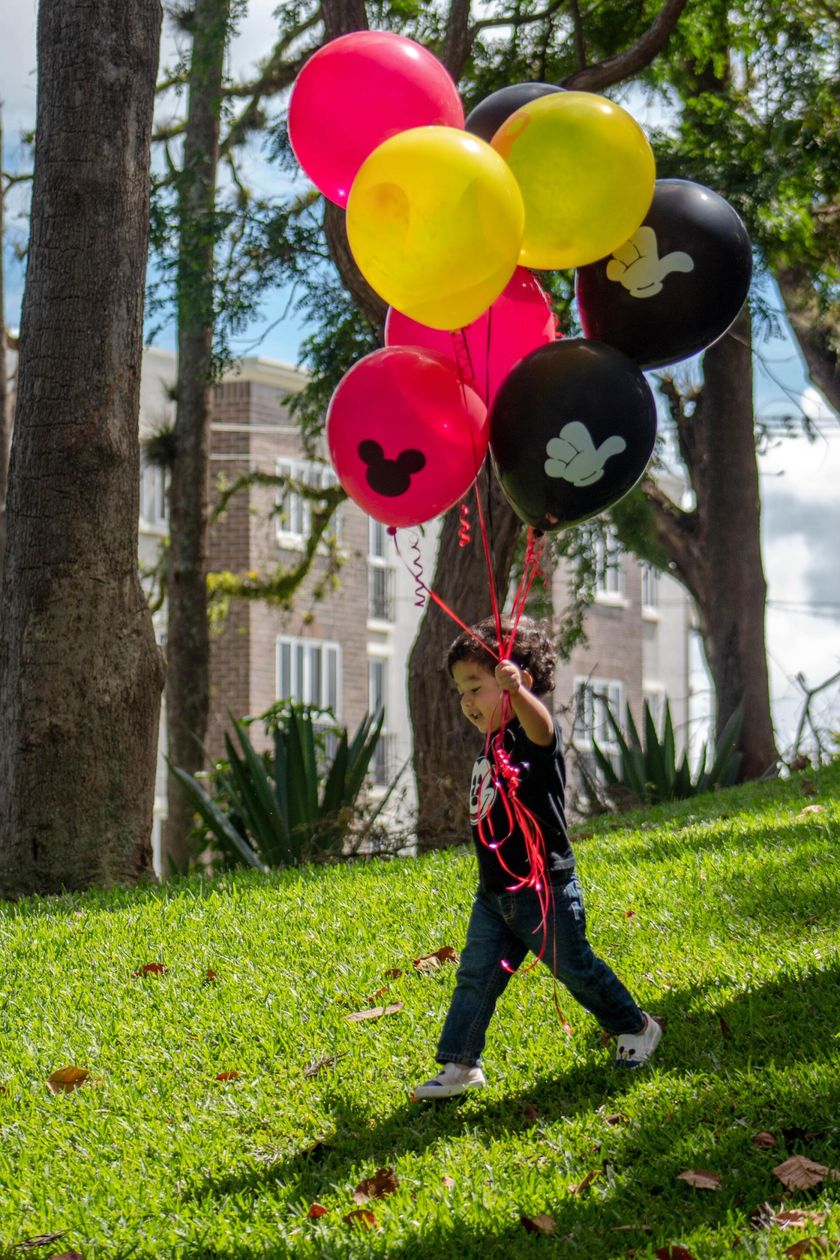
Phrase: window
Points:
(654, 697)
(609, 574)
(154, 491)
(382, 763)
(650, 588)
(294, 515)
(309, 672)
(382, 604)
(593, 698)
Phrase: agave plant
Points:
(649, 769)
(294, 803)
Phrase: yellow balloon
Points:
(586, 172)
(435, 221)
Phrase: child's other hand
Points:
(509, 676)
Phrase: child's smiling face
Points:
(481, 695)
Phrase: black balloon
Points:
(676, 285)
(572, 429)
(489, 114)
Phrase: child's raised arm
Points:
(537, 722)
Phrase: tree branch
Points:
(632, 60)
(817, 331)
(676, 531)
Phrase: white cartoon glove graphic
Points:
(573, 456)
(638, 267)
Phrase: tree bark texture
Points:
(80, 673)
(187, 642)
(5, 419)
(817, 331)
(444, 745)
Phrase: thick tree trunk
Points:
(80, 673)
(816, 329)
(444, 749)
(5, 419)
(187, 640)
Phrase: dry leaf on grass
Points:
(65, 1080)
(539, 1224)
(700, 1179)
(317, 1064)
(384, 1181)
(316, 1210)
(580, 1186)
(795, 1218)
(809, 787)
(674, 1252)
(377, 994)
(726, 1031)
(799, 1173)
(68, 1255)
(811, 1247)
(431, 962)
(764, 1140)
(375, 1012)
(626, 1229)
(449, 1182)
(393, 973)
(41, 1240)
(210, 976)
(530, 1113)
(150, 969)
(615, 1117)
(362, 1217)
(811, 809)
(227, 1076)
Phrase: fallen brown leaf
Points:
(799, 1173)
(626, 1229)
(227, 1076)
(764, 1140)
(539, 1224)
(629, 914)
(377, 994)
(726, 1031)
(449, 1182)
(384, 1181)
(210, 976)
(150, 969)
(431, 962)
(674, 1252)
(615, 1117)
(375, 1012)
(811, 1247)
(315, 1067)
(316, 1210)
(811, 809)
(701, 1179)
(580, 1186)
(809, 787)
(65, 1080)
(530, 1113)
(793, 1218)
(393, 973)
(41, 1240)
(68, 1255)
(361, 1217)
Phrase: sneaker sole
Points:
(442, 1092)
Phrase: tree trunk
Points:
(187, 641)
(443, 749)
(733, 603)
(5, 434)
(80, 673)
(816, 329)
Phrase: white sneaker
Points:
(451, 1081)
(634, 1049)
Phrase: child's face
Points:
(481, 695)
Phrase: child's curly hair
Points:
(531, 650)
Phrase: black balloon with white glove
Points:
(572, 429)
(677, 285)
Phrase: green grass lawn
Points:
(722, 914)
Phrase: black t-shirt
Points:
(542, 790)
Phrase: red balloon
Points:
(356, 92)
(518, 322)
(406, 435)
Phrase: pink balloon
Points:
(357, 91)
(518, 322)
(406, 436)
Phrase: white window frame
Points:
(293, 532)
(379, 562)
(590, 715)
(154, 492)
(608, 558)
(302, 652)
(650, 587)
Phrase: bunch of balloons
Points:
(446, 219)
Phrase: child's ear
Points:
(528, 679)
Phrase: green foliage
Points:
(295, 803)
(733, 939)
(649, 768)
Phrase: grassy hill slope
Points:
(722, 914)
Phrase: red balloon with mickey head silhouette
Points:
(406, 434)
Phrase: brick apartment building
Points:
(349, 651)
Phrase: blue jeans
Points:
(504, 927)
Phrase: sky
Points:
(799, 479)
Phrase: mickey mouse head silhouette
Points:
(390, 477)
